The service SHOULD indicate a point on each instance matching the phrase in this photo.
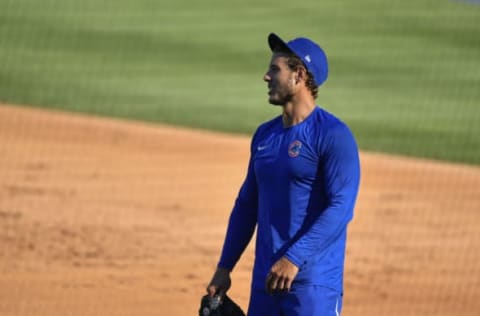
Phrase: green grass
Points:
(405, 75)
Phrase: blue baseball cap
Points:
(308, 51)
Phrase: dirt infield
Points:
(104, 217)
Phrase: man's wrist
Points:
(223, 269)
(294, 260)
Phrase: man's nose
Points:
(266, 77)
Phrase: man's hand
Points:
(220, 283)
(281, 276)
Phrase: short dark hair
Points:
(294, 63)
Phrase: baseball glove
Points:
(219, 306)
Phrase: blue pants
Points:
(307, 300)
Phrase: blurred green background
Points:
(405, 75)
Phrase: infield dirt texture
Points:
(103, 217)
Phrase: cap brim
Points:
(275, 42)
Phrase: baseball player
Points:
(299, 192)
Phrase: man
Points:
(300, 191)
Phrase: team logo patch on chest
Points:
(294, 148)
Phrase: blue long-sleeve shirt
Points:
(300, 189)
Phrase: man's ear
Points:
(300, 75)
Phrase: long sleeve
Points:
(242, 221)
(341, 173)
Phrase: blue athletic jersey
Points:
(300, 192)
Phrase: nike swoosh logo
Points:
(259, 148)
